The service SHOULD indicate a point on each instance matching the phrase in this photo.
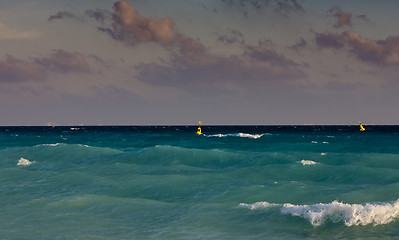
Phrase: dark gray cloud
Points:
(64, 15)
(284, 6)
(234, 36)
(342, 18)
(98, 15)
(330, 40)
(363, 17)
(381, 52)
(300, 44)
(288, 6)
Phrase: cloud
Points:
(301, 43)
(11, 33)
(363, 17)
(234, 36)
(196, 70)
(63, 15)
(384, 52)
(17, 70)
(98, 15)
(279, 6)
(381, 52)
(343, 18)
(288, 6)
(330, 40)
(192, 66)
(129, 26)
(62, 61)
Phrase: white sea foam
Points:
(243, 135)
(24, 162)
(258, 205)
(323, 154)
(349, 214)
(314, 141)
(51, 144)
(308, 162)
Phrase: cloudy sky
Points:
(138, 62)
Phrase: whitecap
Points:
(24, 162)
(257, 205)
(217, 135)
(314, 141)
(51, 144)
(247, 135)
(243, 135)
(323, 154)
(308, 162)
(350, 214)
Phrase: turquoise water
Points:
(233, 182)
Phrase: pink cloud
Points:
(343, 18)
(129, 26)
(381, 52)
(62, 61)
(17, 70)
(191, 62)
(255, 64)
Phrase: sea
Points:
(167, 182)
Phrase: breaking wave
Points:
(24, 162)
(258, 205)
(349, 214)
(243, 135)
(308, 162)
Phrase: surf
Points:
(349, 214)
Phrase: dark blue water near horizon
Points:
(232, 182)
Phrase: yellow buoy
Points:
(362, 129)
(199, 128)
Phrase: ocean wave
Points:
(308, 162)
(243, 135)
(24, 162)
(350, 214)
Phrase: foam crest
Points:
(243, 135)
(63, 144)
(51, 144)
(24, 162)
(350, 214)
(308, 162)
(257, 205)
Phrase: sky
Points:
(177, 62)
